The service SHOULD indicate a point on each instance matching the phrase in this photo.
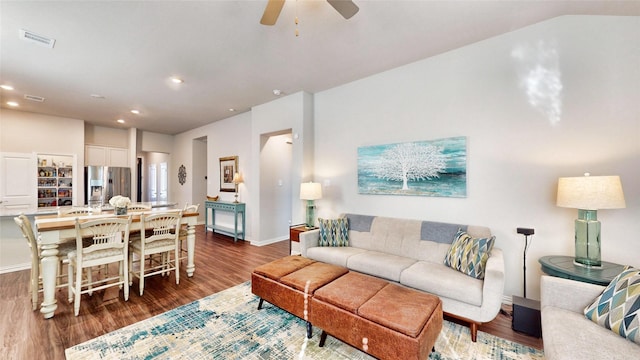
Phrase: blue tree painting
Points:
(420, 168)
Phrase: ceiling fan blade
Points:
(346, 8)
(271, 12)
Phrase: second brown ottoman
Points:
(383, 319)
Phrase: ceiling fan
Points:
(346, 8)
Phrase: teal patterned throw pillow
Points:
(469, 255)
(334, 232)
(618, 307)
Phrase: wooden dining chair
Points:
(74, 211)
(138, 207)
(36, 277)
(183, 231)
(162, 240)
(110, 239)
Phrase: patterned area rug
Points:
(227, 325)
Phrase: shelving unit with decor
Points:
(55, 181)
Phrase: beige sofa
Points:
(567, 333)
(412, 252)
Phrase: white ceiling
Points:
(127, 50)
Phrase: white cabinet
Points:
(96, 155)
(117, 157)
(17, 183)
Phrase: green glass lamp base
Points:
(588, 239)
(310, 222)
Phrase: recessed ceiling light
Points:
(120, 121)
(12, 103)
(176, 80)
(97, 96)
(277, 92)
(232, 109)
(134, 111)
(6, 87)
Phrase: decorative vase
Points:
(120, 211)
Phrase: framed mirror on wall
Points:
(228, 167)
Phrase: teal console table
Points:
(563, 266)
(235, 208)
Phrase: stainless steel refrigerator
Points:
(105, 182)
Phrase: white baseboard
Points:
(269, 241)
(507, 299)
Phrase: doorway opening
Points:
(199, 179)
(276, 158)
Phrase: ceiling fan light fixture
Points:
(346, 8)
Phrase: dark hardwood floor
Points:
(220, 264)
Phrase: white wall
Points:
(25, 132)
(229, 137)
(290, 113)
(155, 142)
(583, 116)
(106, 136)
(30, 132)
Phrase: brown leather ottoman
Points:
(288, 283)
(382, 319)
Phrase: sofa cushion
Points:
(386, 266)
(443, 281)
(333, 255)
(334, 232)
(618, 307)
(469, 255)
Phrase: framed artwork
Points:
(419, 168)
(228, 167)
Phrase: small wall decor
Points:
(182, 175)
(421, 168)
(228, 167)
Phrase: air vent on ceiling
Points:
(34, 98)
(38, 39)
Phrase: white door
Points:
(163, 179)
(152, 187)
(18, 183)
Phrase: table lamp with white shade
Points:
(589, 194)
(310, 191)
(237, 179)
